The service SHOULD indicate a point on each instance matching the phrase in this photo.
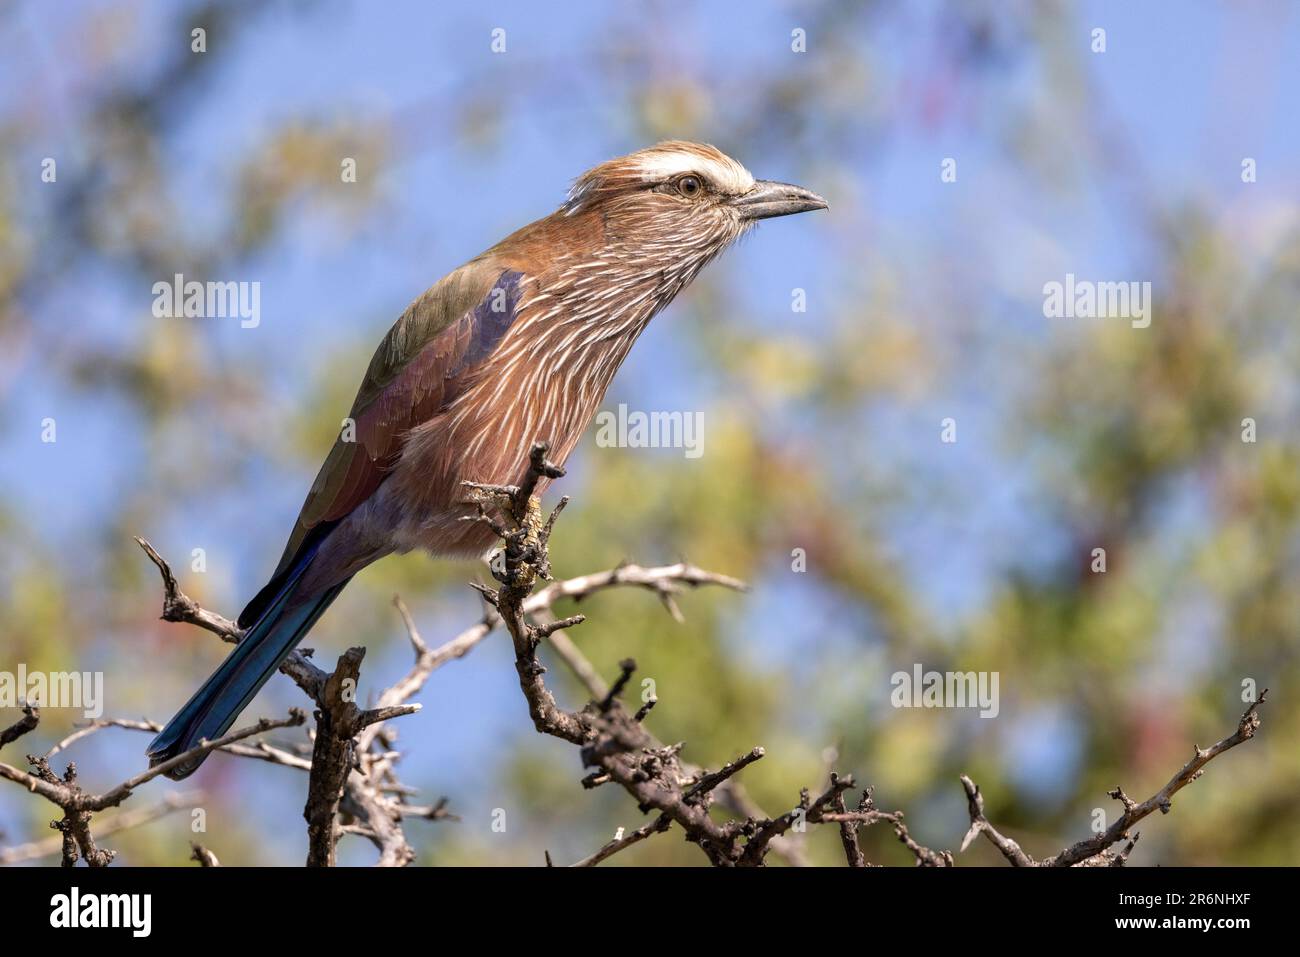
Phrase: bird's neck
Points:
(588, 310)
(588, 295)
(578, 319)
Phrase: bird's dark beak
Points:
(769, 198)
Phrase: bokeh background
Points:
(822, 427)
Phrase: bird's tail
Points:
(216, 705)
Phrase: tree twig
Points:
(1095, 850)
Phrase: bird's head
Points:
(686, 201)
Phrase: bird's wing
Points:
(443, 334)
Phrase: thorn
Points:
(550, 627)
(628, 667)
(489, 594)
(644, 710)
(670, 603)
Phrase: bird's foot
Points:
(524, 557)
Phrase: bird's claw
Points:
(524, 558)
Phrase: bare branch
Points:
(337, 721)
(125, 821)
(28, 722)
(979, 825)
(613, 741)
(120, 793)
(657, 826)
(92, 726)
(1094, 850)
(849, 829)
(203, 856)
(180, 607)
(353, 787)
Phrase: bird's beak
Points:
(769, 198)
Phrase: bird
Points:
(517, 345)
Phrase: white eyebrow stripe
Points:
(663, 164)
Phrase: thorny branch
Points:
(1095, 851)
(613, 741)
(180, 607)
(616, 745)
(125, 821)
(349, 745)
(350, 758)
(78, 805)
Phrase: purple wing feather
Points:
(414, 374)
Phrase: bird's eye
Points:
(689, 186)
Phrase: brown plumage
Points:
(518, 345)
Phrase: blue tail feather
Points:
(216, 705)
